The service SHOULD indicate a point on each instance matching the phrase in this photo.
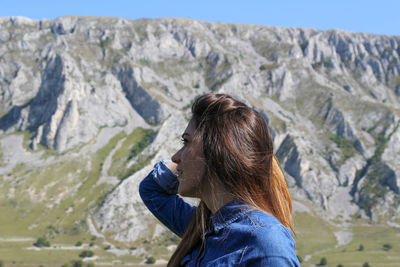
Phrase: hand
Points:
(172, 166)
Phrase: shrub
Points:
(1, 263)
(90, 264)
(361, 248)
(67, 264)
(78, 244)
(323, 261)
(300, 258)
(78, 263)
(91, 244)
(151, 260)
(42, 242)
(387, 247)
(345, 145)
(366, 264)
(340, 265)
(86, 254)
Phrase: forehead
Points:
(191, 128)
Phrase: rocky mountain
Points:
(111, 97)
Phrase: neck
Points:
(215, 199)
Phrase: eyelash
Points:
(184, 141)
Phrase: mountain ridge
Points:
(331, 98)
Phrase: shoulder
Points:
(264, 234)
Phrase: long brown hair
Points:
(239, 154)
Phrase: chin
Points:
(186, 193)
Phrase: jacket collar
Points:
(228, 213)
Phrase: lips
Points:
(178, 172)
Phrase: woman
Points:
(227, 160)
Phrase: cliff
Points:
(79, 88)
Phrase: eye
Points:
(184, 141)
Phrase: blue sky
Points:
(379, 16)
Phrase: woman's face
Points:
(190, 163)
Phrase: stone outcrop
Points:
(332, 98)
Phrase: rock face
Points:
(331, 98)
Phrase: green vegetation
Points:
(387, 247)
(42, 242)
(375, 172)
(130, 148)
(303, 45)
(151, 260)
(300, 258)
(327, 63)
(323, 262)
(373, 188)
(86, 254)
(269, 49)
(144, 62)
(372, 237)
(78, 263)
(346, 146)
(172, 68)
(105, 43)
(191, 103)
(78, 244)
(307, 241)
(381, 142)
(68, 188)
(217, 73)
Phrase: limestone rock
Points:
(331, 99)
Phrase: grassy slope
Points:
(315, 237)
(372, 238)
(25, 215)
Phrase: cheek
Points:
(198, 168)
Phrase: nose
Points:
(177, 157)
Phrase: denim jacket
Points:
(239, 234)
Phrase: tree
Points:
(86, 254)
(361, 248)
(366, 264)
(42, 242)
(151, 260)
(387, 247)
(78, 244)
(323, 261)
(340, 265)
